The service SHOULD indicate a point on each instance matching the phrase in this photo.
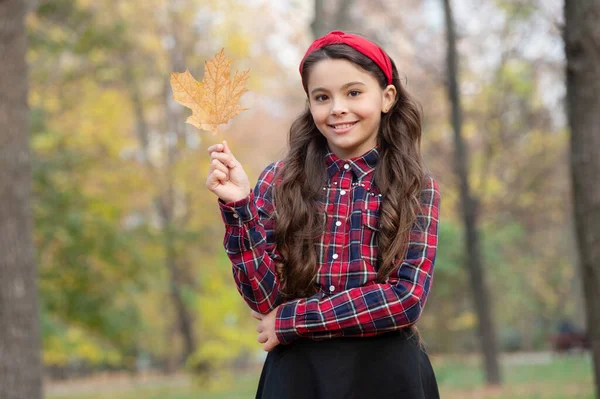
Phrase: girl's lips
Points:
(342, 128)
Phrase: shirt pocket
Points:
(369, 234)
(370, 219)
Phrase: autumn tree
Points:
(469, 208)
(128, 262)
(20, 365)
(581, 37)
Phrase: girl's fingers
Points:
(262, 338)
(215, 164)
(256, 315)
(224, 158)
(215, 147)
(227, 150)
(223, 153)
(269, 346)
(220, 177)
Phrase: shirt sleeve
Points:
(249, 244)
(373, 308)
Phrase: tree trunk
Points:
(20, 363)
(469, 210)
(184, 318)
(175, 123)
(581, 36)
(342, 21)
(319, 23)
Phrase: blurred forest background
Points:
(131, 270)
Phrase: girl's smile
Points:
(343, 127)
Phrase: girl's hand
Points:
(226, 176)
(266, 329)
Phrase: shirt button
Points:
(342, 192)
(331, 288)
(335, 256)
(338, 223)
(235, 215)
(346, 166)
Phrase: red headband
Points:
(360, 44)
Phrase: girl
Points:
(335, 246)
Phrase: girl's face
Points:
(346, 103)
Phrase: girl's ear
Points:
(389, 98)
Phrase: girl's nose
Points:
(339, 108)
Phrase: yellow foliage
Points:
(77, 344)
(214, 100)
(54, 352)
(227, 328)
(464, 321)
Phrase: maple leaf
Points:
(214, 101)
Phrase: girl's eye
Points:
(321, 97)
(353, 93)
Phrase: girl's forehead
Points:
(331, 74)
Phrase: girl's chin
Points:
(348, 149)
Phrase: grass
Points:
(526, 376)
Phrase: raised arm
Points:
(249, 244)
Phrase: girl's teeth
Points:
(343, 126)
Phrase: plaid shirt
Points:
(349, 301)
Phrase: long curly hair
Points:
(398, 175)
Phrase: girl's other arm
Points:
(373, 308)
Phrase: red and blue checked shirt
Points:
(349, 301)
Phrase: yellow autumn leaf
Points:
(214, 101)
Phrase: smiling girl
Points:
(334, 249)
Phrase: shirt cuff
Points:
(285, 322)
(236, 213)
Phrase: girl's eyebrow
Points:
(342, 88)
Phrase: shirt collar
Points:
(361, 165)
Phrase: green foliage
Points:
(101, 245)
(88, 264)
(81, 31)
(498, 240)
(451, 256)
(451, 277)
(226, 323)
(67, 345)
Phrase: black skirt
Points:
(392, 365)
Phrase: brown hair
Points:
(398, 176)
